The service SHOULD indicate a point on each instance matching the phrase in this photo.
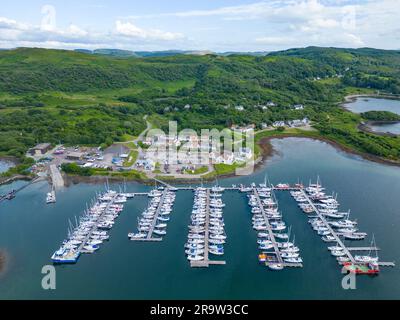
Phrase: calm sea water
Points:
(369, 104)
(30, 231)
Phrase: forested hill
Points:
(34, 70)
(84, 98)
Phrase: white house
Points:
(239, 108)
(278, 124)
(246, 153)
(298, 107)
(299, 123)
(225, 158)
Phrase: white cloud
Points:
(308, 22)
(273, 41)
(262, 25)
(128, 29)
(124, 35)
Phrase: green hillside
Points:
(81, 98)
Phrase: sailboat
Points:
(369, 258)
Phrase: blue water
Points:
(372, 104)
(30, 231)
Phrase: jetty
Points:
(163, 203)
(13, 193)
(327, 225)
(56, 177)
(206, 262)
(95, 227)
(346, 250)
(153, 225)
(276, 252)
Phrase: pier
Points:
(153, 225)
(363, 248)
(12, 194)
(347, 250)
(327, 225)
(149, 237)
(276, 252)
(95, 227)
(206, 262)
(56, 177)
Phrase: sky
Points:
(215, 25)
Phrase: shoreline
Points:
(266, 147)
(336, 145)
(267, 152)
(353, 97)
(365, 127)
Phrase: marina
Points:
(362, 186)
(207, 234)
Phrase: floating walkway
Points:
(346, 250)
(206, 262)
(95, 228)
(153, 225)
(277, 252)
(148, 226)
(327, 225)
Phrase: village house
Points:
(75, 156)
(278, 124)
(225, 158)
(298, 107)
(246, 129)
(299, 123)
(40, 149)
(245, 153)
(239, 108)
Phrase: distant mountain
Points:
(169, 53)
(109, 52)
(143, 54)
(244, 53)
(115, 52)
(84, 51)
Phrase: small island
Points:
(381, 116)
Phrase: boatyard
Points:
(207, 236)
